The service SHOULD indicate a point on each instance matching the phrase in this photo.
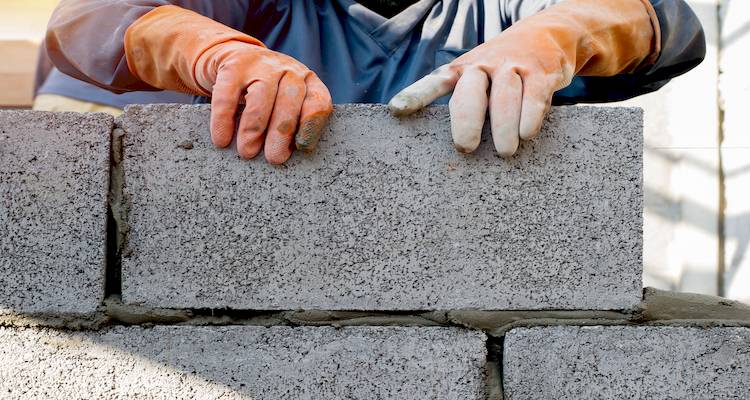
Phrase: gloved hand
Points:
(177, 49)
(531, 60)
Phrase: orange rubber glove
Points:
(177, 49)
(531, 60)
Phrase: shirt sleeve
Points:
(683, 46)
(43, 68)
(85, 37)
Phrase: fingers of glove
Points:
(316, 108)
(505, 111)
(537, 100)
(259, 101)
(468, 108)
(283, 124)
(424, 91)
(224, 100)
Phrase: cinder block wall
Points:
(137, 261)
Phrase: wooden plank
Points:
(17, 72)
(22, 27)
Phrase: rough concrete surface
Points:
(54, 174)
(168, 362)
(627, 363)
(385, 215)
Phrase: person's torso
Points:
(365, 58)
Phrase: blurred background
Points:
(22, 26)
(696, 161)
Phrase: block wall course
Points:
(243, 362)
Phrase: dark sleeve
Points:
(43, 68)
(683, 46)
(85, 37)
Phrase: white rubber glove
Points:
(531, 60)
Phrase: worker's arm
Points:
(683, 46)
(573, 51)
(43, 68)
(141, 45)
(85, 38)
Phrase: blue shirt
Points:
(60, 84)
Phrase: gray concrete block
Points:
(627, 363)
(385, 215)
(243, 362)
(54, 177)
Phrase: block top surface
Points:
(385, 215)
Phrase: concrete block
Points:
(243, 362)
(54, 178)
(385, 215)
(627, 363)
